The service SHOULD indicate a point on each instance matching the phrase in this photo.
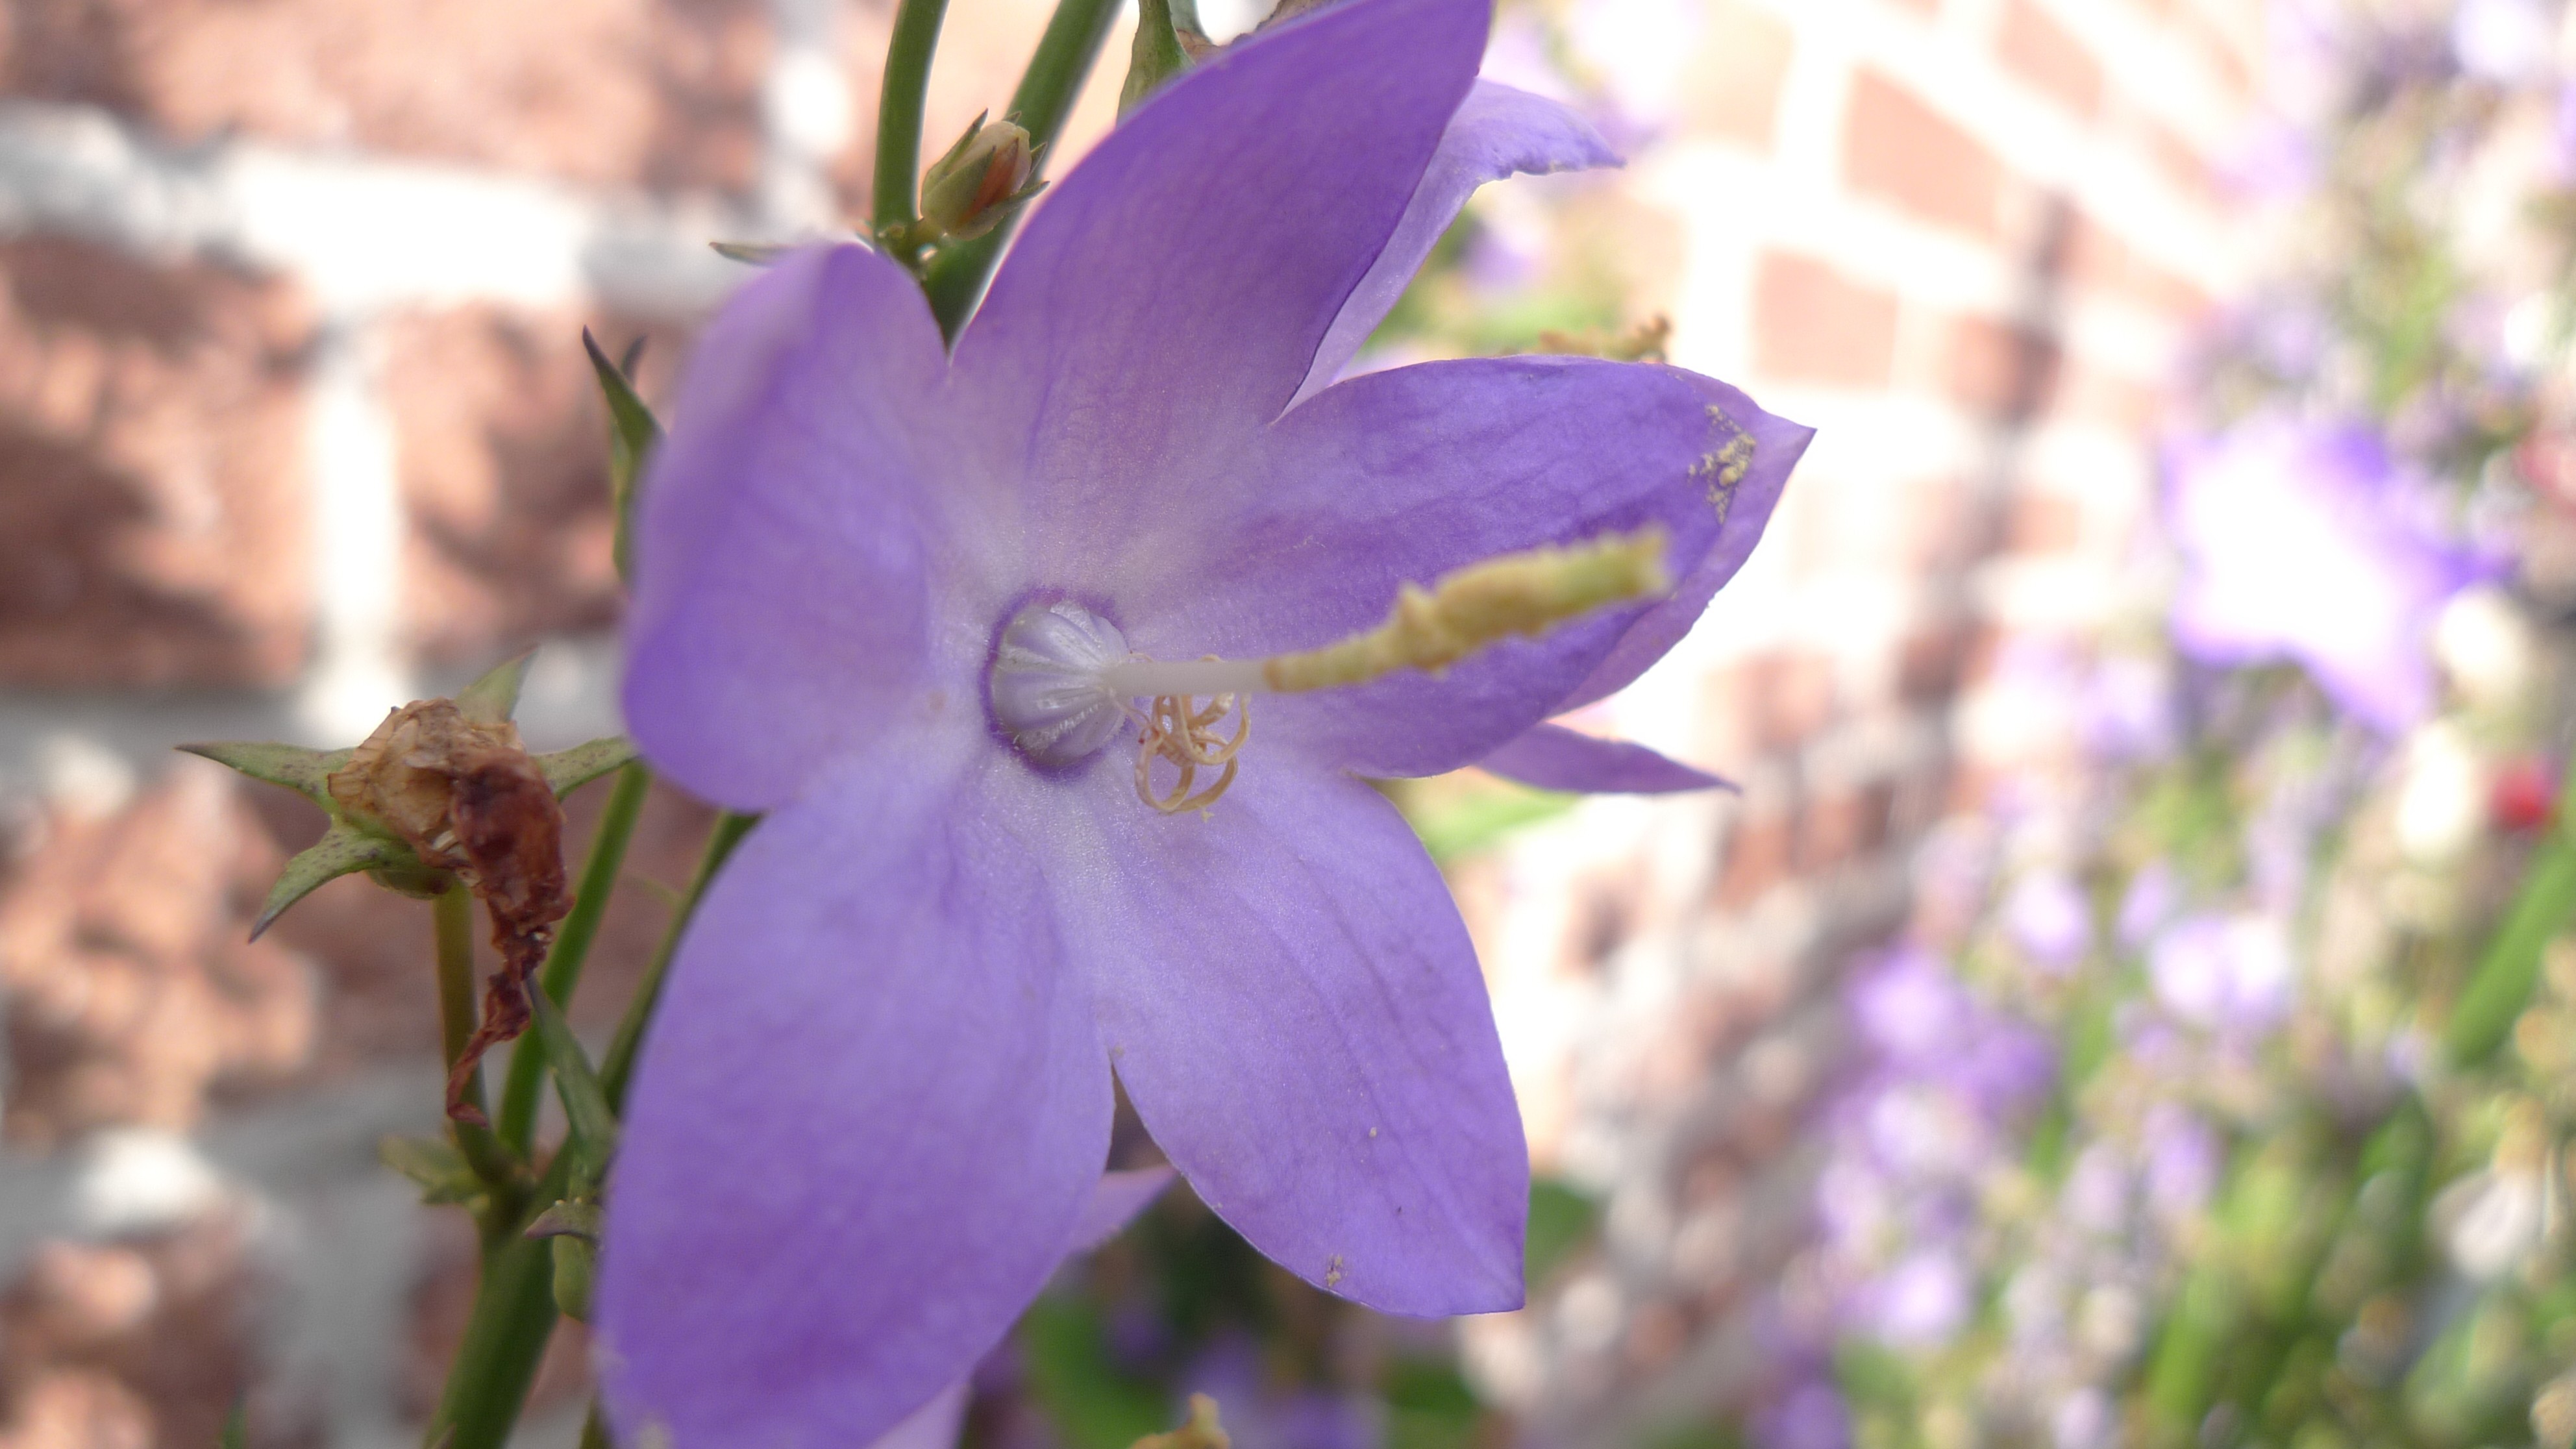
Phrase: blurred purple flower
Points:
(2182, 1159)
(2154, 895)
(2128, 711)
(1261, 1414)
(2304, 542)
(1920, 1303)
(2049, 919)
(2230, 974)
(1809, 1415)
(878, 1087)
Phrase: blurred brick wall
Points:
(1967, 240)
(294, 425)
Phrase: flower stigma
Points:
(1063, 681)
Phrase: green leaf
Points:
(293, 766)
(570, 1217)
(442, 1172)
(1156, 57)
(569, 770)
(495, 697)
(236, 1431)
(756, 254)
(341, 850)
(594, 1126)
(632, 432)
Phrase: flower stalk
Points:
(899, 108)
(452, 918)
(618, 1066)
(1066, 52)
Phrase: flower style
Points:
(2303, 542)
(912, 605)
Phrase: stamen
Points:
(1175, 729)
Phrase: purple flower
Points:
(878, 1087)
(2230, 974)
(2049, 920)
(2303, 542)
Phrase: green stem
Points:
(2501, 986)
(594, 1429)
(899, 104)
(562, 973)
(619, 1064)
(1064, 57)
(452, 915)
(505, 1333)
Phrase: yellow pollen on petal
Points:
(1524, 593)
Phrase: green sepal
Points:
(576, 1266)
(434, 1163)
(572, 1217)
(1156, 58)
(495, 697)
(342, 850)
(594, 1125)
(750, 254)
(632, 433)
(299, 769)
(569, 770)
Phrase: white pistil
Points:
(1062, 677)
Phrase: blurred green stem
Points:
(619, 1064)
(518, 1120)
(2501, 986)
(956, 277)
(452, 914)
(899, 105)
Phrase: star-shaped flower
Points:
(945, 618)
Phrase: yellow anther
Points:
(1524, 593)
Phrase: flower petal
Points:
(1168, 297)
(1777, 445)
(1497, 132)
(1402, 476)
(1294, 1007)
(932, 1426)
(1553, 757)
(779, 572)
(1115, 1201)
(868, 1118)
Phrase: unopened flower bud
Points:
(982, 179)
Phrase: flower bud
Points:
(576, 1263)
(982, 179)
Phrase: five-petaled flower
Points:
(914, 605)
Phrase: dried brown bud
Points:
(469, 800)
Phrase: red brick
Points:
(660, 93)
(1742, 61)
(1813, 324)
(1930, 665)
(1759, 851)
(152, 474)
(1898, 148)
(503, 453)
(1999, 368)
(133, 990)
(138, 1342)
(2035, 47)
(2043, 523)
(2099, 260)
(1844, 827)
(2183, 163)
